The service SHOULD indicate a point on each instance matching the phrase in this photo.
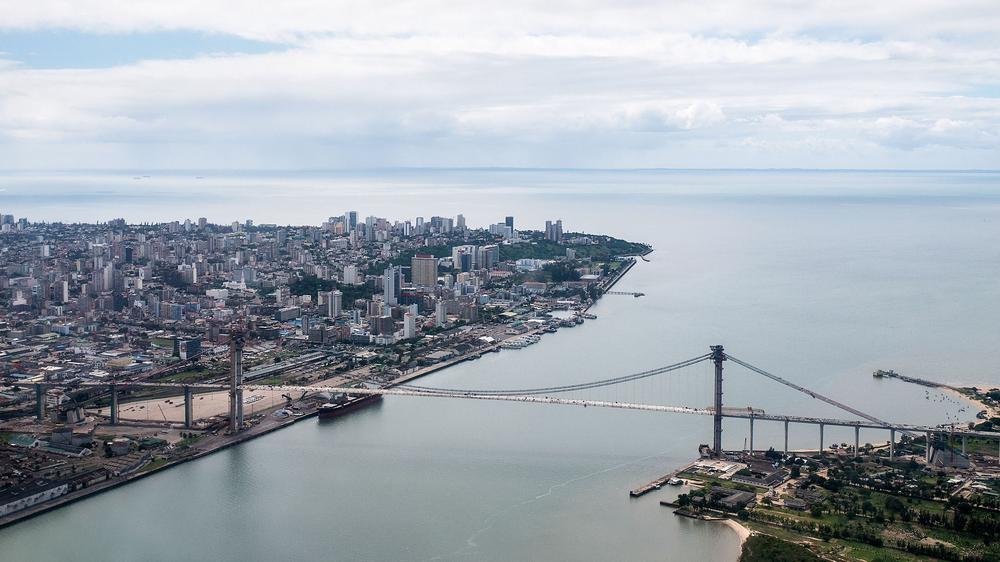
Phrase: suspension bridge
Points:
(568, 395)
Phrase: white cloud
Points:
(434, 83)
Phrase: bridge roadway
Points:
(743, 413)
(746, 413)
(138, 384)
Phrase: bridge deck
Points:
(537, 396)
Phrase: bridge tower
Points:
(718, 356)
(237, 339)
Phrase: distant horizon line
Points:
(486, 169)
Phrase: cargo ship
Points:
(342, 404)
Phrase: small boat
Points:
(675, 481)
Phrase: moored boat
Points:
(342, 404)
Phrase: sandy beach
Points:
(742, 532)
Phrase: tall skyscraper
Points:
(509, 221)
(440, 314)
(554, 231)
(488, 256)
(409, 325)
(390, 285)
(334, 303)
(424, 270)
(464, 257)
(460, 222)
(351, 274)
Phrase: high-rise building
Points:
(554, 230)
(390, 285)
(381, 324)
(440, 313)
(501, 229)
(409, 325)
(488, 256)
(464, 257)
(509, 221)
(460, 222)
(351, 274)
(63, 291)
(334, 303)
(424, 270)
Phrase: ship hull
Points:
(326, 412)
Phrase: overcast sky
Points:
(322, 84)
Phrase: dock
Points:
(656, 484)
(882, 374)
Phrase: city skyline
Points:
(519, 280)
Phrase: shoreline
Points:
(742, 532)
(250, 434)
(991, 411)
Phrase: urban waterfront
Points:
(820, 277)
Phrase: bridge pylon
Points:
(718, 356)
(237, 339)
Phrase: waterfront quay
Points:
(124, 348)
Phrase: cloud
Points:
(907, 134)
(668, 117)
(431, 83)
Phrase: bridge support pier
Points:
(963, 444)
(751, 435)
(114, 404)
(39, 403)
(236, 378)
(892, 443)
(718, 356)
(821, 449)
(857, 438)
(929, 452)
(786, 438)
(188, 407)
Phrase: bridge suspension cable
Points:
(804, 390)
(568, 387)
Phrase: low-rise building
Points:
(29, 495)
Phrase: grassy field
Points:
(978, 446)
(836, 549)
(719, 482)
(765, 548)
(194, 375)
(879, 499)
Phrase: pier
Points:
(658, 483)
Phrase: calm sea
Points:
(820, 277)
